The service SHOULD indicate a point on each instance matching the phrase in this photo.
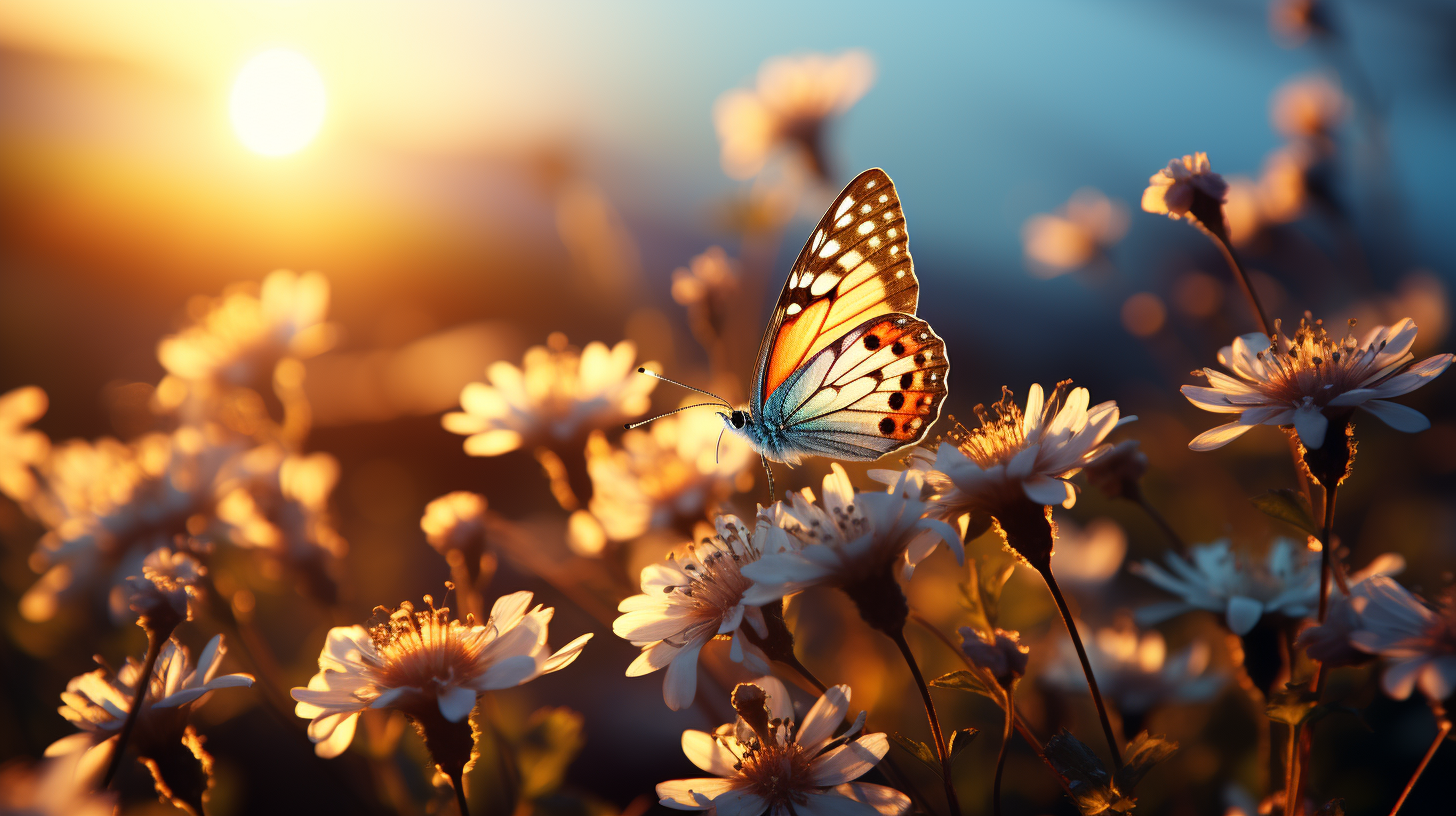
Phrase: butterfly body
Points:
(846, 370)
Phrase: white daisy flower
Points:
(767, 763)
(162, 593)
(850, 538)
(98, 702)
(423, 662)
(1241, 588)
(1312, 378)
(692, 598)
(1185, 189)
(1417, 643)
(556, 395)
(1016, 457)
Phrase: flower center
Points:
(1315, 367)
(424, 649)
(717, 583)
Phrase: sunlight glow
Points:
(277, 103)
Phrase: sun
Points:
(278, 103)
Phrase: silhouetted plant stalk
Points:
(1443, 729)
(1010, 705)
(156, 639)
(940, 748)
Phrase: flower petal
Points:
(1215, 438)
(1397, 416)
(818, 726)
(849, 761)
(1243, 613)
(706, 752)
(456, 702)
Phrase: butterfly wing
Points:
(874, 390)
(856, 265)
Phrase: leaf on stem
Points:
(920, 751)
(960, 739)
(964, 680)
(980, 593)
(1294, 706)
(1141, 755)
(1093, 790)
(1289, 506)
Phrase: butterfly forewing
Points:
(875, 389)
(855, 266)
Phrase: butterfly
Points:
(845, 369)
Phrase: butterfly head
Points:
(736, 420)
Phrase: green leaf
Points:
(960, 740)
(1091, 785)
(980, 593)
(1288, 506)
(1140, 756)
(964, 680)
(920, 751)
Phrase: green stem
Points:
(950, 794)
(1051, 582)
(155, 641)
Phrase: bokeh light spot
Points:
(278, 103)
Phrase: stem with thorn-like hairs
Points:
(156, 639)
(1443, 728)
(1051, 582)
(950, 794)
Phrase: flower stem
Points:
(457, 780)
(156, 639)
(1158, 519)
(1001, 756)
(1443, 728)
(1327, 533)
(950, 795)
(1243, 278)
(1051, 582)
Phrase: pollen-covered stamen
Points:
(773, 765)
(716, 582)
(1003, 428)
(1316, 367)
(424, 649)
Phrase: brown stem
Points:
(1291, 773)
(457, 779)
(1327, 534)
(156, 639)
(1443, 728)
(950, 794)
(1243, 278)
(1001, 756)
(1051, 582)
(1158, 519)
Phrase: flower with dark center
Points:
(1417, 642)
(766, 762)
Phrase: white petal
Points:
(739, 803)
(1400, 677)
(833, 803)
(826, 715)
(1046, 490)
(456, 702)
(512, 671)
(566, 654)
(339, 739)
(886, 801)
(691, 794)
(1243, 613)
(1214, 438)
(1311, 424)
(1398, 416)
(706, 752)
(680, 685)
(849, 761)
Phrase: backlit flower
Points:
(770, 762)
(694, 597)
(1089, 556)
(1240, 586)
(1330, 642)
(1135, 670)
(1119, 471)
(97, 703)
(21, 448)
(674, 469)
(162, 594)
(1081, 230)
(1188, 188)
(455, 522)
(1002, 653)
(1417, 643)
(238, 338)
(426, 665)
(790, 106)
(1306, 381)
(557, 395)
(849, 538)
(107, 502)
(1016, 457)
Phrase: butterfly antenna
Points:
(719, 447)
(655, 375)
(629, 426)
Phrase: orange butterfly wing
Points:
(856, 265)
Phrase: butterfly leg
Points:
(768, 470)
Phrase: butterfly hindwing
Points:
(874, 390)
(856, 265)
